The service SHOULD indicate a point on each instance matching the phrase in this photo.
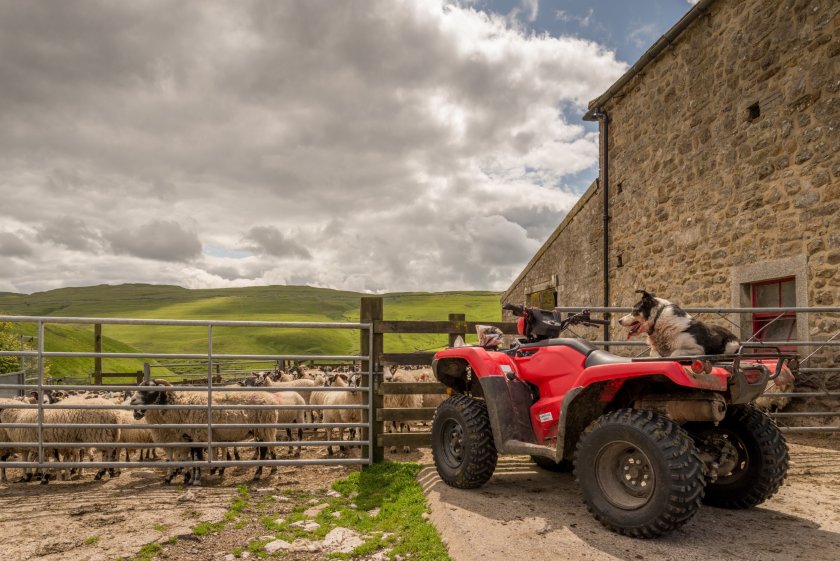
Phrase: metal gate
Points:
(39, 435)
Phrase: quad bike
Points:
(649, 439)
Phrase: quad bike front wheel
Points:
(639, 473)
(753, 457)
(462, 442)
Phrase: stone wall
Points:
(724, 155)
(570, 259)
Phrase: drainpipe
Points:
(600, 115)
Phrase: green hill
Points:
(263, 303)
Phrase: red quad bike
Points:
(649, 439)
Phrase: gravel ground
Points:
(90, 520)
(521, 513)
(526, 513)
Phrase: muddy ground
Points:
(522, 513)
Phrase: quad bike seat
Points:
(599, 357)
(594, 356)
(581, 346)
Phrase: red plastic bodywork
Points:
(555, 370)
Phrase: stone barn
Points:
(719, 179)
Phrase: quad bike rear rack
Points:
(743, 388)
(791, 359)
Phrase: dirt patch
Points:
(526, 513)
(106, 520)
(521, 513)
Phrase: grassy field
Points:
(272, 303)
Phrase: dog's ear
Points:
(646, 295)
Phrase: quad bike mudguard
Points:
(529, 392)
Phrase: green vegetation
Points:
(91, 540)
(266, 303)
(398, 526)
(237, 506)
(10, 340)
(148, 552)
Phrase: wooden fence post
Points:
(97, 348)
(371, 312)
(459, 323)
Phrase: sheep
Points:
(265, 381)
(79, 434)
(430, 400)
(318, 398)
(138, 435)
(5, 451)
(784, 383)
(407, 401)
(291, 415)
(149, 394)
(342, 415)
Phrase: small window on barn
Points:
(544, 299)
(753, 112)
(620, 187)
(620, 261)
(774, 326)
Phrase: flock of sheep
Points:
(239, 415)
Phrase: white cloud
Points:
(12, 245)
(583, 21)
(161, 240)
(532, 9)
(643, 36)
(378, 146)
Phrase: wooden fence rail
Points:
(457, 325)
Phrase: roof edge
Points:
(649, 56)
(587, 195)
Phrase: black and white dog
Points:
(672, 332)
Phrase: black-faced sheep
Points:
(150, 393)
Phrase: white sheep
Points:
(151, 394)
(137, 435)
(5, 451)
(318, 398)
(291, 415)
(404, 401)
(84, 436)
(342, 415)
(784, 383)
(265, 381)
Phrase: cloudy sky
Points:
(374, 145)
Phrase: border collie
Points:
(672, 332)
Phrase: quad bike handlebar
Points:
(545, 324)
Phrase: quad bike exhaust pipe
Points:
(686, 408)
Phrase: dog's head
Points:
(638, 321)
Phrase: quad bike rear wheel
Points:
(462, 442)
(753, 457)
(639, 473)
